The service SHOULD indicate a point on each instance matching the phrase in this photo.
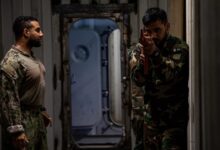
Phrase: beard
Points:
(157, 42)
(34, 42)
(160, 42)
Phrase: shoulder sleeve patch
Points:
(10, 71)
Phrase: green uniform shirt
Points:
(22, 85)
(165, 83)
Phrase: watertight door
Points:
(85, 78)
(95, 75)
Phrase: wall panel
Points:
(210, 81)
(176, 17)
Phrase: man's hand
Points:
(47, 119)
(20, 142)
(148, 43)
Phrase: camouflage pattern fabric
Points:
(22, 88)
(166, 94)
(137, 112)
(137, 116)
(34, 129)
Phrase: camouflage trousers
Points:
(137, 116)
(138, 132)
(167, 139)
(34, 129)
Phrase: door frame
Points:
(119, 13)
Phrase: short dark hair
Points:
(21, 23)
(154, 14)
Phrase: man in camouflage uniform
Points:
(159, 62)
(22, 87)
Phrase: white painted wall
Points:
(192, 38)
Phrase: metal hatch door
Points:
(85, 79)
(95, 78)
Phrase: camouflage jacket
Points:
(165, 83)
(22, 86)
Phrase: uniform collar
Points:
(22, 52)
